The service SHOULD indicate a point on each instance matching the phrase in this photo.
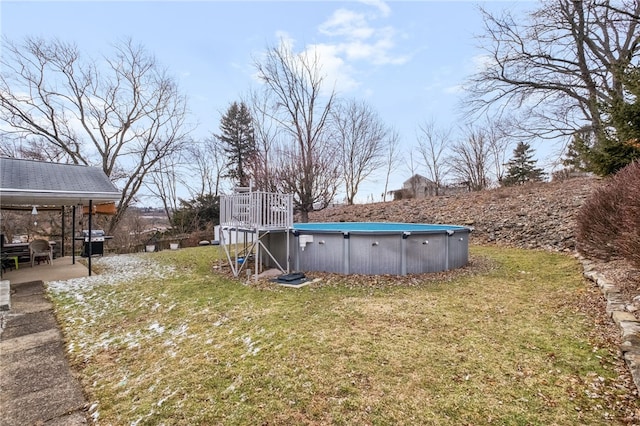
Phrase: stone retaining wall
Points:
(625, 320)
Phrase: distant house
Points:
(418, 186)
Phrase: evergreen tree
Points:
(619, 144)
(197, 214)
(622, 143)
(238, 142)
(522, 167)
(577, 158)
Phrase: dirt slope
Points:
(538, 215)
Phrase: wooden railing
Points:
(257, 210)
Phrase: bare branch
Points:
(432, 144)
(557, 67)
(361, 137)
(299, 106)
(126, 117)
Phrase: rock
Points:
(621, 316)
(633, 362)
(270, 273)
(630, 328)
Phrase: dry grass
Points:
(501, 342)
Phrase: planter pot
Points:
(174, 246)
(150, 248)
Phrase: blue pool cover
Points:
(374, 227)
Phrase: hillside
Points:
(538, 215)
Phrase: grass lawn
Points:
(501, 343)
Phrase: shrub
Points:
(629, 240)
(608, 224)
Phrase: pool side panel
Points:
(324, 253)
(426, 253)
(459, 249)
(375, 254)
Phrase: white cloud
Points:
(454, 90)
(440, 81)
(481, 62)
(285, 40)
(353, 40)
(378, 53)
(336, 69)
(356, 39)
(361, 40)
(382, 7)
(347, 23)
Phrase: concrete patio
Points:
(37, 385)
(62, 268)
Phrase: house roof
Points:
(417, 178)
(27, 182)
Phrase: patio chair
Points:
(9, 262)
(40, 249)
(6, 260)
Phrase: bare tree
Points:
(558, 68)
(412, 168)
(432, 144)
(210, 167)
(392, 160)
(135, 224)
(266, 135)
(469, 160)
(499, 143)
(14, 146)
(198, 169)
(301, 109)
(361, 137)
(287, 171)
(164, 184)
(124, 113)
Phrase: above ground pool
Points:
(372, 248)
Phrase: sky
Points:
(407, 59)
